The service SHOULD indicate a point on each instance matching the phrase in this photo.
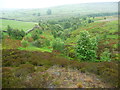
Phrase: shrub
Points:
(90, 21)
(39, 43)
(35, 36)
(58, 44)
(38, 31)
(47, 42)
(74, 27)
(86, 47)
(9, 30)
(54, 33)
(67, 33)
(70, 51)
(17, 34)
(105, 56)
(25, 43)
(30, 39)
(67, 25)
(84, 18)
(57, 27)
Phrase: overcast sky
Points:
(43, 3)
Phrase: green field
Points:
(16, 24)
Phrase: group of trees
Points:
(85, 49)
(48, 12)
(61, 30)
(17, 34)
(102, 14)
(36, 14)
(36, 33)
(58, 27)
(58, 44)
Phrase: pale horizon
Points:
(44, 3)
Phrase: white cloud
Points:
(43, 3)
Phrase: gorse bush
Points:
(86, 47)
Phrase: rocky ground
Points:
(69, 78)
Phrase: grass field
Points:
(16, 24)
(32, 48)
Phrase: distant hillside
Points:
(60, 11)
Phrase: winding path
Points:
(107, 20)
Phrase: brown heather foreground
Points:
(33, 69)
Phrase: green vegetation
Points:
(58, 45)
(64, 37)
(24, 43)
(105, 55)
(17, 34)
(73, 39)
(86, 47)
(16, 24)
(32, 48)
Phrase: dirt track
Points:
(107, 20)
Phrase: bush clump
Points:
(105, 56)
(58, 45)
(15, 33)
(86, 47)
(70, 51)
(25, 43)
(39, 43)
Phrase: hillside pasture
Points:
(16, 24)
